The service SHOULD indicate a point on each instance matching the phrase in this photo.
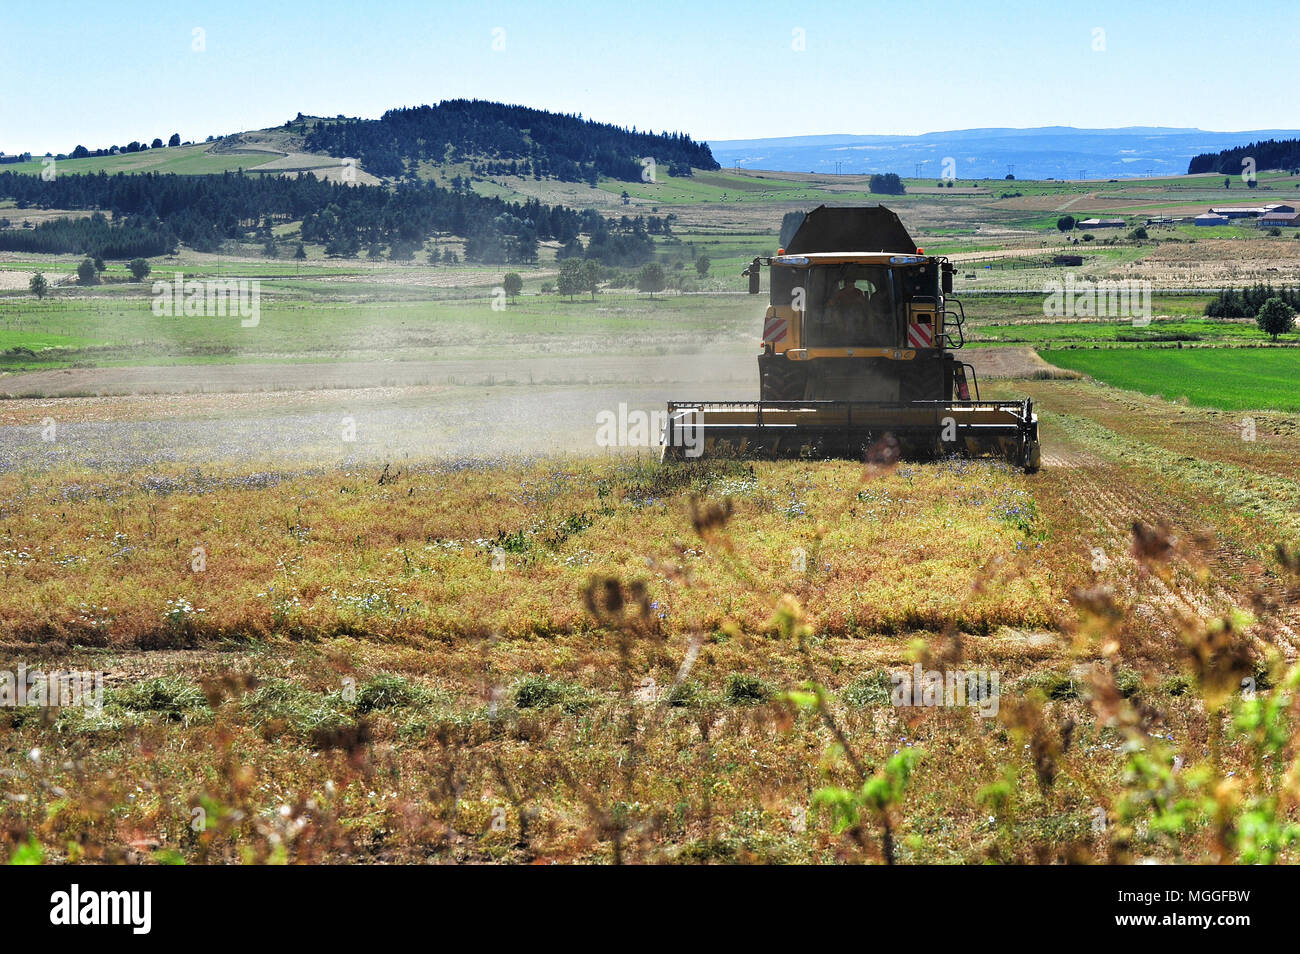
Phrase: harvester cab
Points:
(857, 358)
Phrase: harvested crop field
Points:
(504, 658)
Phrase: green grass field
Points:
(347, 309)
(724, 186)
(1233, 379)
(191, 160)
(299, 321)
(1047, 333)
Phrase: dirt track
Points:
(342, 375)
(271, 413)
(696, 371)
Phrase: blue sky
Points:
(101, 74)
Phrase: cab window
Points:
(851, 306)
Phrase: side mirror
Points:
(754, 270)
(945, 278)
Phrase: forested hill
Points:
(1268, 154)
(538, 143)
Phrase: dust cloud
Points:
(321, 415)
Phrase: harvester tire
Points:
(780, 380)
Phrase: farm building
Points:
(1288, 219)
(1100, 224)
(1067, 260)
(1239, 211)
(1212, 218)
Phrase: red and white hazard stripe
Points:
(920, 334)
(775, 329)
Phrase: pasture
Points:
(1234, 379)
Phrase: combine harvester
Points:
(857, 359)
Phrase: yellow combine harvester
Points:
(857, 358)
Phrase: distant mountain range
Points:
(1045, 152)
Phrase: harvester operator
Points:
(848, 310)
(850, 295)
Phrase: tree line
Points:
(81, 152)
(93, 235)
(547, 145)
(1268, 154)
(149, 213)
(1247, 302)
